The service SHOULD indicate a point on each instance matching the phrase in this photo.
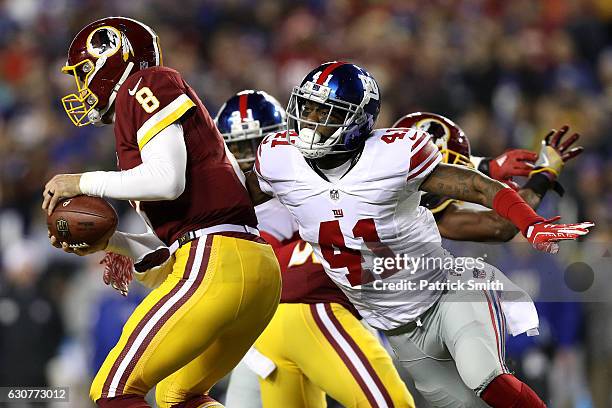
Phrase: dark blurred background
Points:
(505, 71)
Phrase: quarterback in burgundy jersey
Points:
(174, 168)
(355, 192)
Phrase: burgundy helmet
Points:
(101, 57)
(450, 139)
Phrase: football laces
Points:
(80, 245)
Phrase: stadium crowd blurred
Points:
(505, 71)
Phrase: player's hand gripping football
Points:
(60, 186)
(555, 152)
(81, 250)
(545, 235)
(513, 162)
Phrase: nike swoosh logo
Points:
(501, 160)
(132, 91)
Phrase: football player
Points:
(354, 193)
(305, 285)
(315, 340)
(223, 283)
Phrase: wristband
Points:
(539, 184)
(510, 205)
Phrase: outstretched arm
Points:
(472, 224)
(462, 183)
(468, 185)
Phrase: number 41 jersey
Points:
(370, 214)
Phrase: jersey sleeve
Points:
(259, 167)
(152, 100)
(264, 184)
(276, 220)
(424, 157)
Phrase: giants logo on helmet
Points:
(370, 87)
(316, 76)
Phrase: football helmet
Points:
(246, 118)
(101, 57)
(342, 90)
(450, 138)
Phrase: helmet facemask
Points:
(452, 157)
(245, 137)
(340, 117)
(79, 105)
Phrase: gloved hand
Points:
(544, 235)
(555, 152)
(513, 162)
(118, 272)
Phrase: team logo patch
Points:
(62, 228)
(334, 195)
(338, 213)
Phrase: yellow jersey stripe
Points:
(165, 121)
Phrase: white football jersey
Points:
(371, 212)
(276, 220)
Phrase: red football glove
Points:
(544, 236)
(117, 271)
(514, 162)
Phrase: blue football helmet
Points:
(350, 101)
(246, 118)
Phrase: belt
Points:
(410, 326)
(191, 235)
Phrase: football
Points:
(83, 220)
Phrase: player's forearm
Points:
(463, 184)
(530, 197)
(161, 176)
(134, 246)
(252, 185)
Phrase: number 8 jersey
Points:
(370, 214)
(152, 99)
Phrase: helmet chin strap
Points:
(95, 115)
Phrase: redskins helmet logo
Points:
(438, 131)
(104, 42)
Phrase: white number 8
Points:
(147, 100)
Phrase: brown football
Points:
(82, 220)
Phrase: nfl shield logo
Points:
(334, 195)
(62, 228)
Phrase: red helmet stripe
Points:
(243, 106)
(328, 71)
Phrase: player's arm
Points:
(468, 224)
(161, 176)
(465, 184)
(254, 188)
(149, 108)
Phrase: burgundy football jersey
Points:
(146, 103)
(305, 280)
